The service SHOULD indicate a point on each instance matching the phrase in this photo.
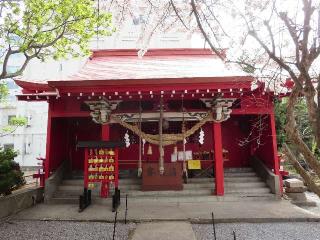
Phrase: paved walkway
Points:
(164, 231)
(145, 211)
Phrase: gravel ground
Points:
(52, 230)
(259, 231)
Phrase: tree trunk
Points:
(294, 135)
(313, 112)
(303, 173)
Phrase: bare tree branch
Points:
(196, 14)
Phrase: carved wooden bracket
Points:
(101, 110)
(221, 107)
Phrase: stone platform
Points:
(194, 212)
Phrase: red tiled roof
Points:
(108, 66)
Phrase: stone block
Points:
(297, 196)
(293, 183)
(296, 189)
(305, 203)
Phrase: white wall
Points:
(30, 140)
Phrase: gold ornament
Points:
(111, 152)
(111, 168)
(101, 152)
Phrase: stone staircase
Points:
(240, 184)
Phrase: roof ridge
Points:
(153, 52)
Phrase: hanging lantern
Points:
(127, 139)
(149, 152)
(143, 143)
(201, 137)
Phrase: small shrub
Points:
(11, 176)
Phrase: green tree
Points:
(47, 28)
(3, 91)
(14, 123)
(11, 176)
(280, 118)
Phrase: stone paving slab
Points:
(164, 231)
(145, 211)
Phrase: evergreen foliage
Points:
(11, 176)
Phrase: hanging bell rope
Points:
(140, 153)
(183, 130)
(161, 151)
(167, 139)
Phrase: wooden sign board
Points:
(194, 164)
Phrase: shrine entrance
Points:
(167, 137)
(185, 119)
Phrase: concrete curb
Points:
(20, 200)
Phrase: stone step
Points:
(247, 191)
(243, 179)
(198, 192)
(79, 182)
(73, 193)
(130, 187)
(196, 182)
(130, 181)
(245, 185)
(174, 199)
(242, 170)
(229, 185)
(64, 200)
(70, 188)
(200, 180)
(240, 174)
(73, 182)
(227, 179)
(189, 186)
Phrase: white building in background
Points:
(30, 140)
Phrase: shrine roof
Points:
(124, 66)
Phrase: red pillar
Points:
(218, 157)
(105, 136)
(276, 163)
(48, 144)
(105, 132)
(274, 145)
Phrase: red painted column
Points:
(105, 132)
(274, 144)
(105, 136)
(276, 163)
(218, 157)
(48, 143)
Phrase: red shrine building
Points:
(179, 114)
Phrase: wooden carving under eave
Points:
(101, 110)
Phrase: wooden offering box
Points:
(170, 180)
